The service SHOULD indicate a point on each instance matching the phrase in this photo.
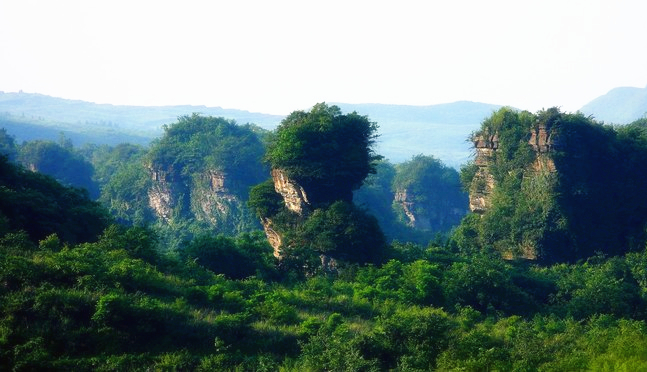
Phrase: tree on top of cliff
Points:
(435, 191)
(197, 143)
(328, 153)
(582, 193)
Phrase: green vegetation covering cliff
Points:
(195, 179)
(419, 200)
(77, 293)
(556, 187)
(318, 158)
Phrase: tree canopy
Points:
(197, 143)
(327, 152)
(593, 200)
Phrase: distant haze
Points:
(404, 130)
(619, 106)
(285, 55)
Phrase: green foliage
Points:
(98, 306)
(434, 189)
(264, 199)
(195, 144)
(432, 193)
(328, 153)
(582, 196)
(124, 181)
(343, 231)
(335, 347)
(205, 167)
(59, 161)
(376, 196)
(125, 194)
(485, 283)
(238, 258)
(41, 206)
(8, 146)
(77, 295)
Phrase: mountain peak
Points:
(621, 105)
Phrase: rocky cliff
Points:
(295, 200)
(206, 197)
(294, 196)
(556, 187)
(542, 141)
(483, 181)
(407, 203)
(164, 191)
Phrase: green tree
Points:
(345, 232)
(60, 162)
(328, 153)
(39, 205)
(435, 191)
(8, 146)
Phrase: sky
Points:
(279, 56)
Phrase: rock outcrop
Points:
(295, 199)
(294, 196)
(211, 199)
(483, 181)
(164, 191)
(408, 205)
(273, 237)
(542, 141)
(205, 197)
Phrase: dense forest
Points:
(229, 247)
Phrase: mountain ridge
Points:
(440, 130)
(621, 105)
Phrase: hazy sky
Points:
(278, 56)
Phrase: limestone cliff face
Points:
(293, 194)
(542, 141)
(295, 199)
(415, 219)
(164, 191)
(211, 199)
(273, 237)
(483, 181)
(206, 197)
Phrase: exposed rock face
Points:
(162, 196)
(483, 182)
(293, 194)
(211, 200)
(205, 197)
(416, 220)
(273, 237)
(295, 199)
(542, 141)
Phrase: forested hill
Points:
(621, 105)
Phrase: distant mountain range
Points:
(620, 106)
(439, 130)
(404, 131)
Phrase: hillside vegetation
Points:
(577, 191)
(112, 285)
